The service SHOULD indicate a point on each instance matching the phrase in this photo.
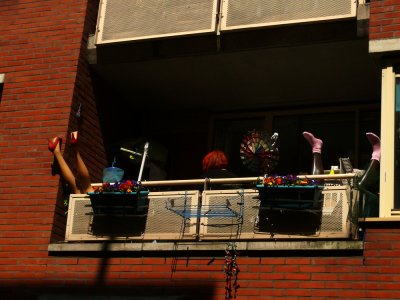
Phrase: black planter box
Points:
(290, 210)
(290, 197)
(116, 203)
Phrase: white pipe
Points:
(235, 180)
(328, 176)
(201, 181)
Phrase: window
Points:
(351, 122)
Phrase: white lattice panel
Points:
(165, 224)
(223, 215)
(126, 20)
(230, 227)
(330, 219)
(158, 224)
(336, 211)
(239, 14)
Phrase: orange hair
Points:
(215, 160)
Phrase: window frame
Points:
(387, 164)
(2, 77)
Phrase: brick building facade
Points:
(46, 77)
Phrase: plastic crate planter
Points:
(120, 203)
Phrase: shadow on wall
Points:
(146, 291)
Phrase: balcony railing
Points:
(242, 211)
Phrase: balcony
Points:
(286, 58)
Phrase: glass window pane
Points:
(228, 135)
(295, 152)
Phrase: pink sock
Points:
(376, 145)
(316, 144)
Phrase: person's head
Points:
(215, 160)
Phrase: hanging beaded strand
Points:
(231, 271)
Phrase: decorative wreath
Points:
(259, 152)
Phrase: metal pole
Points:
(146, 148)
(130, 151)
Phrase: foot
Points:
(316, 144)
(376, 145)
(54, 144)
(74, 138)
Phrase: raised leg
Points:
(316, 148)
(317, 167)
(82, 170)
(371, 175)
(66, 173)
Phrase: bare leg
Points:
(317, 167)
(66, 172)
(371, 176)
(83, 173)
(82, 170)
(316, 147)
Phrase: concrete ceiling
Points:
(332, 71)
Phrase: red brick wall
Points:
(41, 51)
(384, 20)
(373, 274)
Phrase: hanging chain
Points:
(231, 271)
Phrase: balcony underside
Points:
(294, 65)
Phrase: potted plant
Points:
(126, 197)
